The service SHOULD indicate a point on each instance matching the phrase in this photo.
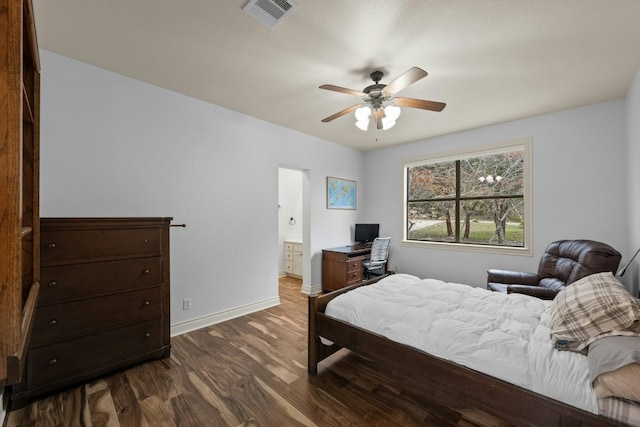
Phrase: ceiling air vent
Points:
(270, 12)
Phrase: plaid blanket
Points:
(593, 307)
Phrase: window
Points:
(476, 199)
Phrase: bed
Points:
(513, 370)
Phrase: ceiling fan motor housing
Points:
(376, 89)
(376, 76)
(376, 96)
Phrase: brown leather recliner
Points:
(563, 262)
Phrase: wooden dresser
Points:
(104, 300)
(342, 266)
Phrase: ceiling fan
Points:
(380, 101)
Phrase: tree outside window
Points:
(472, 198)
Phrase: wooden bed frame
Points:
(447, 383)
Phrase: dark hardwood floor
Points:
(250, 371)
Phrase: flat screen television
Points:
(365, 233)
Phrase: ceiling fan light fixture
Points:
(363, 124)
(392, 112)
(363, 113)
(387, 123)
(362, 116)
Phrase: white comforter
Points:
(505, 336)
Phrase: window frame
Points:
(484, 150)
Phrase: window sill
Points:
(486, 249)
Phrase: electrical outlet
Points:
(186, 304)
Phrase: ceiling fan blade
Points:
(419, 103)
(343, 90)
(342, 113)
(378, 115)
(413, 75)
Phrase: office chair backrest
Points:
(380, 248)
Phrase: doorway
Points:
(293, 224)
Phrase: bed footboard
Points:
(317, 351)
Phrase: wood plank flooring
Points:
(249, 371)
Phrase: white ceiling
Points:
(490, 60)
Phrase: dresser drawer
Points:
(354, 277)
(77, 318)
(69, 245)
(354, 270)
(75, 281)
(355, 263)
(66, 358)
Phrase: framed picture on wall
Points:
(341, 193)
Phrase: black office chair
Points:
(379, 256)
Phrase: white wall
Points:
(579, 188)
(633, 175)
(115, 146)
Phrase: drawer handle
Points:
(146, 303)
(51, 245)
(52, 284)
(53, 322)
(147, 335)
(146, 271)
(53, 361)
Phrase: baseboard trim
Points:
(310, 290)
(202, 322)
